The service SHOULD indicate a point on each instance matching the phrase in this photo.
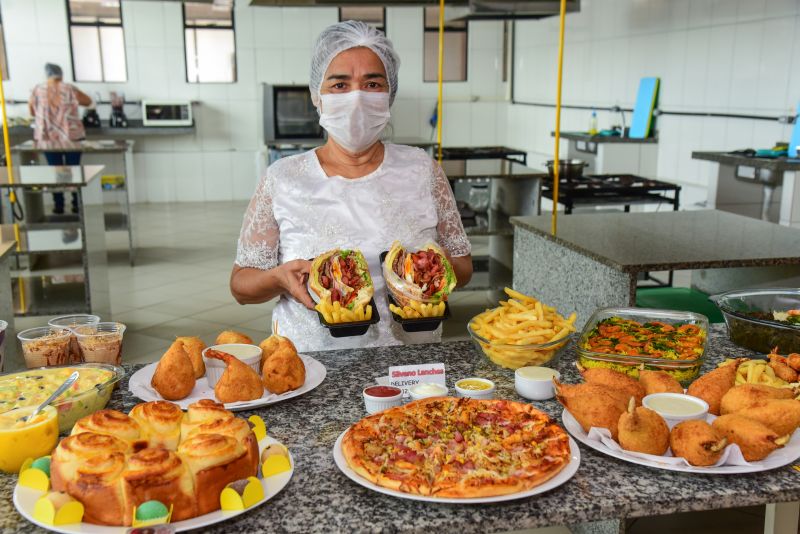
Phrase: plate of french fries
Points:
(342, 321)
(521, 331)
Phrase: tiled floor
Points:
(179, 284)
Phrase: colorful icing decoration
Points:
(241, 494)
(58, 508)
(35, 474)
(275, 460)
(258, 426)
(151, 513)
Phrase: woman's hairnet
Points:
(350, 34)
(53, 71)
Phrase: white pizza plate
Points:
(25, 500)
(139, 385)
(565, 474)
(777, 458)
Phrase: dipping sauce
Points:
(424, 390)
(382, 391)
(675, 406)
(471, 384)
(536, 373)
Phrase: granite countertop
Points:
(584, 136)
(319, 498)
(672, 240)
(105, 145)
(726, 158)
(493, 168)
(33, 176)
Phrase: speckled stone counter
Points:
(319, 498)
(595, 259)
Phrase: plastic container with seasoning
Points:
(751, 324)
(683, 367)
(88, 394)
(101, 342)
(45, 346)
(379, 398)
(72, 321)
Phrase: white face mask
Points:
(355, 119)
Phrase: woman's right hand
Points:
(293, 276)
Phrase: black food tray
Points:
(358, 328)
(424, 324)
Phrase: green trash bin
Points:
(679, 299)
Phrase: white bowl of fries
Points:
(521, 331)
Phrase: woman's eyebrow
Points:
(373, 75)
(338, 77)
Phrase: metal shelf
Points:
(50, 295)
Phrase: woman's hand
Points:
(293, 276)
(254, 286)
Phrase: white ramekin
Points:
(673, 419)
(417, 395)
(535, 388)
(378, 404)
(249, 354)
(476, 393)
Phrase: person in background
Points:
(54, 107)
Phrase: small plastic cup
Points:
(73, 321)
(378, 398)
(3, 326)
(101, 342)
(45, 346)
(468, 387)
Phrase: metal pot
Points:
(569, 169)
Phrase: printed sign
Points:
(405, 376)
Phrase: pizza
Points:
(457, 447)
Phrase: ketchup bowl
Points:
(379, 398)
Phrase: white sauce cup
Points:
(535, 382)
(659, 403)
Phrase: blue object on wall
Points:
(643, 110)
(794, 143)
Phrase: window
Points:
(455, 48)
(374, 16)
(97, 41)
(210, 42)
(3, 60)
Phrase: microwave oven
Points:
(167, 113)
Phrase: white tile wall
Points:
(738, 56)
(273, 45)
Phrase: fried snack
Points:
(643, 430)
(782, 416)
(697, 442)
(781, 368)
(592, 405)
(746, 395)
(418, 310)
(520, 320)
(231, 336)
(755, 439)
(757, 372)
(174, 377)
(274, 344)
(614, 380)
(335, 313)
(712, 386)
(238, 382)
(194, 347)
(658, 382)
(793, 361)
(282, 370)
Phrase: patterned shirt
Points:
(55, 107)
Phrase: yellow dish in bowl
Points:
(20, 440)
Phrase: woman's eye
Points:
(373, 85)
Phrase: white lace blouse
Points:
(298, 212)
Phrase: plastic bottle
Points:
(593, 123)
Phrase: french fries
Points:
(521, 320)
(756, 372)
(418, 310)
(335, 313)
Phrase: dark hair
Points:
(53, 71)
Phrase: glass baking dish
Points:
(684, 370)
(760, 334)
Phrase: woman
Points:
(353, 192)
(54, 107)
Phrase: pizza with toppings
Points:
(457, 447)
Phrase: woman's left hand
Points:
(293, 277)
